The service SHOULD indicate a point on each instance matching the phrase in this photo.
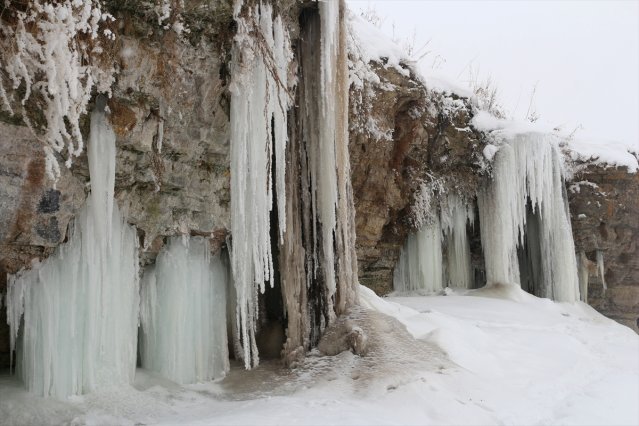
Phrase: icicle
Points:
(419, 267)
(601, 270)
(527, 169)
(454, 217)
(80, 306)
(583, 276)
(259, 97)
(183, 313)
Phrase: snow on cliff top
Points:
(581, 148)
(373, 45)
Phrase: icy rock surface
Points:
(183, 313)
(73, 318)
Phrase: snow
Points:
(495, 356)
(367, 44)
(372, 45)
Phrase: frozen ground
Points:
(496, 356)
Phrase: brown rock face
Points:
(403, 136)
(604, 207)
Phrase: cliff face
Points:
(604, 207)
(404, 137)
(170, 112)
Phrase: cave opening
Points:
(529, 256)
(271, 326)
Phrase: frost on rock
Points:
(525, 227)
(74, 317)
(47, 53)
(183, 313)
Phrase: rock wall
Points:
(604, 207)
(404, 136)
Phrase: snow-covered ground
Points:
(490, 356)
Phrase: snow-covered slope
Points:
(492, 356)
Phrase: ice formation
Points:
(420, 263)
(74, 317)
(183, 313)
(525, 206)
(321, 243)
(584, 276)
(455, 215)
(438, 253)
(259, 106)
(601, 270)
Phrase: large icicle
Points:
(528, 171)
(259, 97)
(80, 306)
(419, 268)
(183, 313)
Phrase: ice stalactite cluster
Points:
(316, 240)
(259, 106)
(525, 206)
(420, 264)
(183, 313)
(438, 254)
(456, 214)
(329, 164)
(74, 317)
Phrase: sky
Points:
(582, 56)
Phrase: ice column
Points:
(74, 317)
(183, 313)
(259, 105)
(601, 270)
(419, 268)
(528, 170)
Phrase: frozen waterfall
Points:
(183, 313)
(74, 317)
(419, 268)
(524, 207)
(321, 244)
